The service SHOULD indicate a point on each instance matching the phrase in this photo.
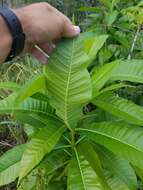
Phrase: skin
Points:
(43, 25)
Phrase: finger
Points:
(47, 48)
(42, 52)
(39, 56)
(70, 30)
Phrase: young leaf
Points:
(41, 144)
(10, 164)
(81, 176)
(107, 3)
(30, 88)
(69, 82)
(92, 157)
(120, 107)
(122, 139)
(92, 45)
(111, 18)
(117, 167)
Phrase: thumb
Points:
(70, 30)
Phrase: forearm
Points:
(5, 40)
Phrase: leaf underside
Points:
(69, 82)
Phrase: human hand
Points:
(43, 26)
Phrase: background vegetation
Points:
(121, 20)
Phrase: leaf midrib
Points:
(67, 88)
(78, 161)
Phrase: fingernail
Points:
(77, 29)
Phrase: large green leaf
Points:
(81, 176)
(30, 105)
(101, 76)
(10, 164)
(120, 107)
(69, 82)
(122, 139)
(30, 88)
(129, 70)
(41, 144)
(118, 167)
(92, 157)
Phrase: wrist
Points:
(24, 19)
(6, 40)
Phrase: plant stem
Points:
(134, 42)
(72, 139)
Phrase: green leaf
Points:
(118, 167)
(30, 105)
(69, 82)
(120, 107)
(38, 178)
(107, 3)
(92, 157)
(129, 70)
(112, 87)
(139, 172)
(36, 121)
(92, 45)
(30, 182)
(98, 115)
(122, 139)
(30, 88)
(10, 174)
(54, 185)
(111, 17)
(10, 165)
(81, 176)
(10, 86)
(40, 96)
(114, 181)
(41, 144)
(92, 9)
(55, 160)
(101, 76)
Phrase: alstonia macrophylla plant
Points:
(71, 146)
